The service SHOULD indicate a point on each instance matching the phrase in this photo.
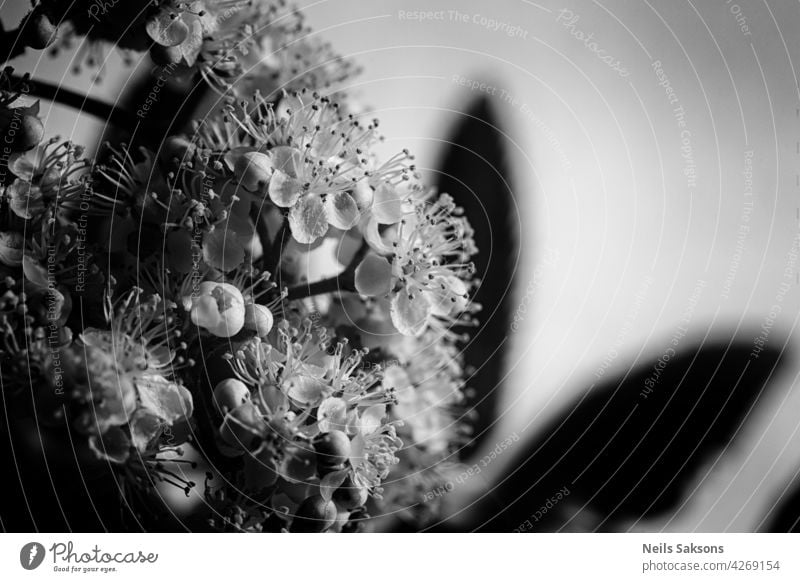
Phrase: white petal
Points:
(145, 426)
(410, 316)
(35, 273)
(166, 30)
(373, 276)
(342, 210)
(387, 205)
(332, 415)
(288, 160)
(449, 295)
(308, 219)
(306, 389)
(283, 189)
(21, 166)
(253, 170)
(11, 248)
(372, 418)
(167, 400)
(369, 228)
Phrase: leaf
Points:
(628, 448)
(474, 172)
(784, 516)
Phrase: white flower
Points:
(52, 172)
(128, 370)
(429, 275)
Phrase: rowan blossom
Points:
(428, 275)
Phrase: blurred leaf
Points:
(785, 514)
(473, 170)
(624, 453)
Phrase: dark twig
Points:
(343, 282)
(83, 103)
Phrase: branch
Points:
(84, 103)
(345, 281)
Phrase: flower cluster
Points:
(258, 289)
(312, 425)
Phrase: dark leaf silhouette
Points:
(627, 447)
(473, 170)
(785, 515)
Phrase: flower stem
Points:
(83, 103)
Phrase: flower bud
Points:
(166, 55)
(349, 495)
(363, 194)
(253, 170)
(230, 394)
(314, 515)
(260, 470)
(177, 146)
(258, 318)
(217, 307)
(333, 448)
(299, 464)
(242, 427)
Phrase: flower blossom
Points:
(309, 160)
(128, 382)
(429, 275)
(53, 174)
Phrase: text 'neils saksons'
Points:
(664, 548)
